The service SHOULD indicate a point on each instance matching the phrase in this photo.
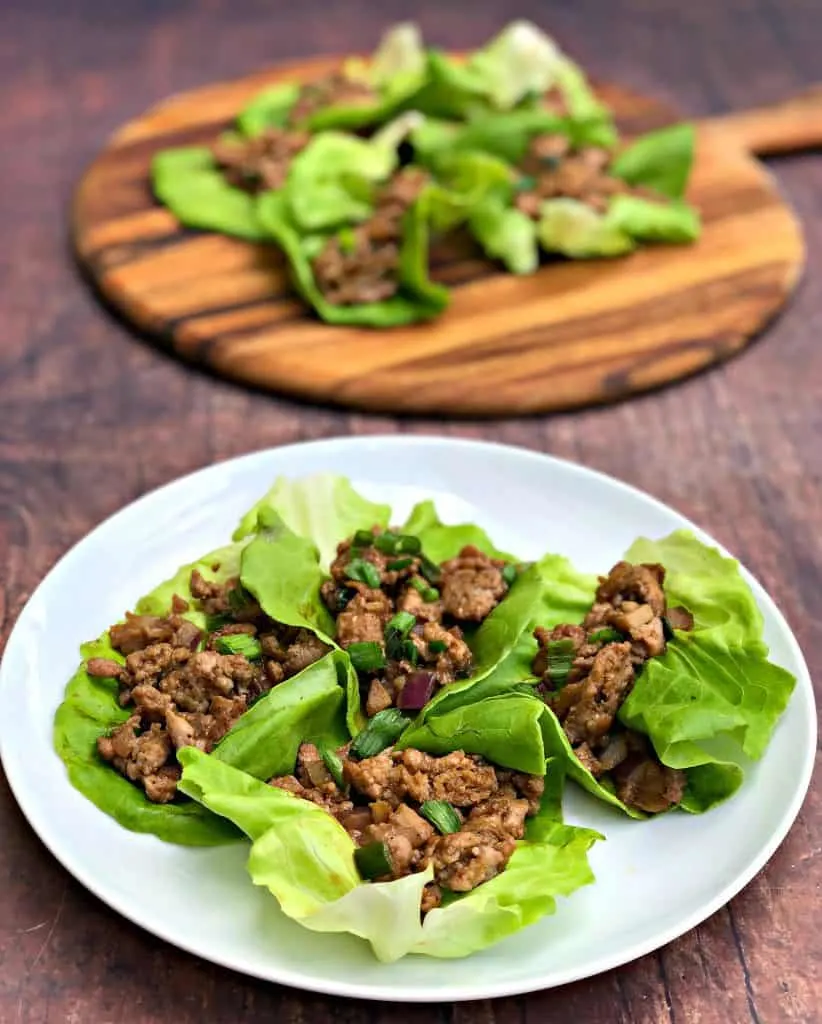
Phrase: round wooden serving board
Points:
(573, 334)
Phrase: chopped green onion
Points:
(509, 574)
(238, 599)
(399, 563)
(215, 622)
(605, 636)
(410, 652)
(408, 544)
(347, 240)
(333, 762)
(395, 635)
(426, 592)
(402, 622)
(364, 572)
(386, 542)
(560, 660)
(382, 730)
(441, 815)
(239, 643)
(366, 656)
(437, 646)
(429, 569)
(362, 539)
(526, 183)
(373, 860)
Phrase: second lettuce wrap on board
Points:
(565, 193)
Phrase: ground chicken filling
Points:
(261, 163)
(186, 686)
(382, 802)
(333, 90)
(362, 263)
(589, 670)
(401, 617)
(553, 169)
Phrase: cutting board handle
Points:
(790, 126)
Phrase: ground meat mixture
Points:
(182, 689)
(553, 169)
(589, 670)
(361, 265)
(472, 585)
(260, 163)
(369, 586)
(334, 90)
(381, 800)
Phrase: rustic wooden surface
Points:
(574, 333)
(90, 418)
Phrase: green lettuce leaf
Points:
(398, 64)
(307, 707)
(571, 228)
(506, 234)
(187, 181)
(418, 298)
(505, 728)
(306, 860)
(714, 697)
(282, 570)
(583, 105)
(514, 70)
(506, 136)
(661, 160)
(441, 541)
(318, 195)
(323, 508)
(649, 221)
(268, 109)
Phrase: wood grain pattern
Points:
(574, 333)
(91, 418)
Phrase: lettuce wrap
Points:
(190, 183)
(305, 858)
(393, 74)
(660, 162)
(418, 298)
(520, 68)
(708, 705)
(263, 740)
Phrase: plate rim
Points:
(430, 994)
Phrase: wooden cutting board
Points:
(573, 334)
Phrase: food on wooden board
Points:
(355, 175)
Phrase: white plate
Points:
(655, 879)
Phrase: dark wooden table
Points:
(91, 417)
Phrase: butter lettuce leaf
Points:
(441, 541)
(418, 297)
(188, 182)
(661, 160)
(269, 109)
(322, 507)
(306, 860)
(714, 682)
